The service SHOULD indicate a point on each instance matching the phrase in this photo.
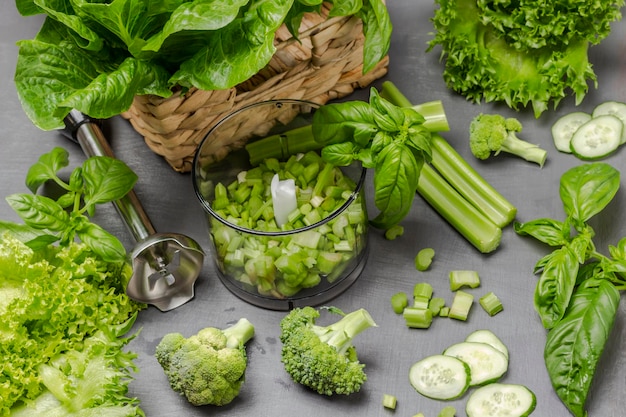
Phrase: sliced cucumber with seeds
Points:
(440, 377)
(614, 108)
(501, 400)
(488, 337)
(563, 129)
(487, 364)
(597, 138)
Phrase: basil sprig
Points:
(99, 180)
(390, 139)
(578, 292)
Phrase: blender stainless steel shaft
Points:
(165, 265)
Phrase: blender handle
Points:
(87, 133)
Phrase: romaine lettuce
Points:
(95, 56)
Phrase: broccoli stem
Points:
(239, 333)
(526, 150)
(340, 334)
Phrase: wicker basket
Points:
(324, 64)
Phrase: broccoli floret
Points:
(323, 358)
(208, 367)
(491, 134)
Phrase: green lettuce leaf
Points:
(51, 300)
(96, 56)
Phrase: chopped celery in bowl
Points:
(277, 251)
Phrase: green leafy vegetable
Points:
(63, 302)
(390, 139)
(89, 380)
(99, 180)
(577, 295)
(523, 53)
(52, 299)
(95, 56)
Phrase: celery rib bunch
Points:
(457, 192)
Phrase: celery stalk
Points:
(464, 178)
(432, 111)
(463, 216)
(458, 173)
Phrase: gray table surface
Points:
(388, 350)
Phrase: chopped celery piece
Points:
(399, 301)
(436, 304)
(423, 289)
(421, 302)
(394, 232)
(419, 415)
(444, 312)
(447, 411)
(281, 266)
(464, 278)
(461, 305)
(424, 259)
(491, 303)
(417, 318)
(390, 401)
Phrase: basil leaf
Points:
(575, 345)
(340, 122)
(39, 211)
(549, 231)
(46, 168)
(24, 232)
(395, 181)
(377, 29)
(340, 154)
(106, 179)
(587, 189)
(103, 243)
(555, 286)
(618, 252)
(387, 116)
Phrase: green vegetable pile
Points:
(578, 292)
(283, 264)
(95, 56)
(522, 53)
(208, 367)
(63, 305)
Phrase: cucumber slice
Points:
(440, 377)
(597, 138)
(563, 129)
(488, 337)
(486, 363)
(614, 108)
(501, 400)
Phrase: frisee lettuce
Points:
(51, 301)
(523, 53)
(95, 56)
